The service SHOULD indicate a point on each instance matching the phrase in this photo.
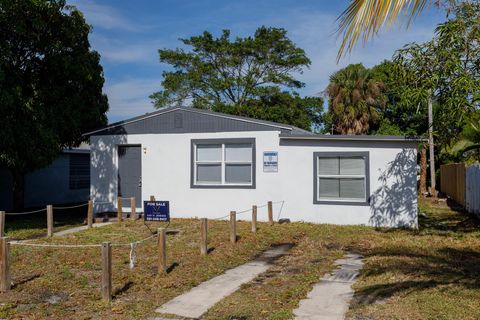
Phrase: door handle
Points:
(140, 182)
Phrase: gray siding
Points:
(50, 185)
(185, 121)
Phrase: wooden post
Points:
(152, 198)
(106, 271)
(2, 223)
(270, 213)
(233, 226)
(90, 214)
(162, 251)
(5, 281)
(254, 219)
(49, 220)
(133, 208)
(119, 210)
(203, 241)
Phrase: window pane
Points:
(328, 188)
(238, 173)
(352, 188)
(327, 166)
(209, 173)
(209, 152)
(238, 152)
(352, 166)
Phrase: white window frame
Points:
(347, 201)
(223, 163)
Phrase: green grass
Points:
(430, 273)
(35, 225)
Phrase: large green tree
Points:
(245, 76)
(355, 100)
(445, 72)
(50, 84)
(400, 116)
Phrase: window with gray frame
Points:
(341, 177)
(223, 163)
(79, 169)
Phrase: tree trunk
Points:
(423, 171)
(18, 189)
(433, 191)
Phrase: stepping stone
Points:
(330, 298)
(198, 300)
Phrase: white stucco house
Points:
(207, 164)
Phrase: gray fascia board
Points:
(352, 138)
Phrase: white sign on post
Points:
(270, 161)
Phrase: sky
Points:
(128, 34)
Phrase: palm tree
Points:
(354, 99)
(365, 18)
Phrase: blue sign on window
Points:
(156, 210)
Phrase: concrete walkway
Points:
(80, 228)
(65, 232)
(330, 298)
(198, 300)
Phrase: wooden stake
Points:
(49, 220)
(133, 207)
(152, 198)
(106, 271)
(90, 214)
(2, 223)
(162, 251)
(5, 281)
(270, 213)
(254, 219)
(204, 240)
(233, 226)
(119, 210)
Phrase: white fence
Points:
(472, 192)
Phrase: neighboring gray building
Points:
(65, 180)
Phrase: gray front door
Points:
(130, 173)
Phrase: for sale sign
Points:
(156, 210)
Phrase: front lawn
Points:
(431, 273)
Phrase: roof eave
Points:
(353, 138)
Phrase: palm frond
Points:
(364, 18)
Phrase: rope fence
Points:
(23, 213)
(106, 247)
(71, 207)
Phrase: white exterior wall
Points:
(166, 166)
